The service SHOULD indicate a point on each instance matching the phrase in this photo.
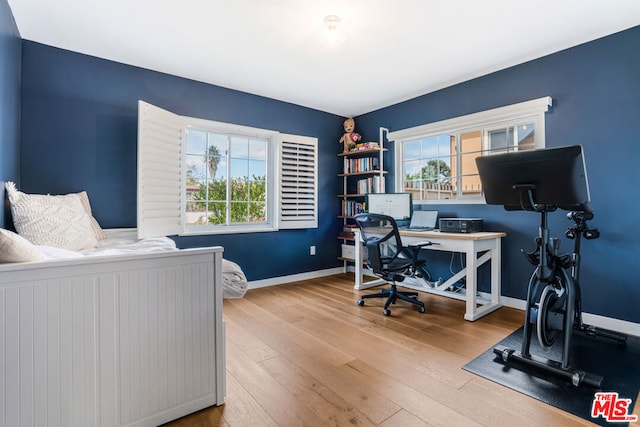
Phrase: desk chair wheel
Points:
(361, 302)
(386, 312)
(420, 309)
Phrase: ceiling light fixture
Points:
(334, 37)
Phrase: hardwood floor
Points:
(304, 354)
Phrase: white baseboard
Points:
(617, 325)
(255, 284)
(622, 326)
(520, 304)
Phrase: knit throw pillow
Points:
(97, 230)
(60, 221)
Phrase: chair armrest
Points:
(419, 245)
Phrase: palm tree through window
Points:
(226, 178)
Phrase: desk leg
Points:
(358, 261)
(473, 311)
(496, 273)
(360, 284)
(471, 284)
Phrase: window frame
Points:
(532, 111)
(272, 138)
(162, 177)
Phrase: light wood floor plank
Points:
(283, 336)
(384, 353)
(251, 345)
(306, 354)
(421, 405)
(285, 408)
(636, 412)
(517, 406)
(320, 364)
(404, 419)
(243, 410)
(318, 396)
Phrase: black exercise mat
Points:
(619, 365)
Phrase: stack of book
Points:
(365, 146)
(365, 164)
(351, 208)
(374, 184)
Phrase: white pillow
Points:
(15, 248)
(84, 198)
(60, 221)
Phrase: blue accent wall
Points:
(10, 67)
(79, 132)
(596, 103)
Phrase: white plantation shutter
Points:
(160, 183)
(298, 157)
(162, 178)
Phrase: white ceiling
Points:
(394, 49)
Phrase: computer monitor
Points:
(396, 205)
(553, 177)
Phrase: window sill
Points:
(475, 201)
(204, 230)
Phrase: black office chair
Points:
(385, 257)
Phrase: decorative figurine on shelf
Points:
(350, 137)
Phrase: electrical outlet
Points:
(312, 250)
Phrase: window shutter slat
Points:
(160, 192)
(298, 204)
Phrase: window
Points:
(227, 179)
(198, 176)
(436, 162)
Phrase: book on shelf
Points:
(365, 164)
(365, 146)
(374, 184)
(352, 208)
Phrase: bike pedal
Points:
(591, 331)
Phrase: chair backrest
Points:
(382, 239)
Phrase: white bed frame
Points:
(134, 340)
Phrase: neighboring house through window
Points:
(436, 161)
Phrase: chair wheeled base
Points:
(393, 294)
(385, 257)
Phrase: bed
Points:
(124, 241)
(111, 335)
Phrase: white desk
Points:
(471, 244)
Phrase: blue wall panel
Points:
(10, 67)
(596, 102)
(79, 132)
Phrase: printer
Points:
(460, 225)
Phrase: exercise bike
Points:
(542, 181)
(553, 309)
